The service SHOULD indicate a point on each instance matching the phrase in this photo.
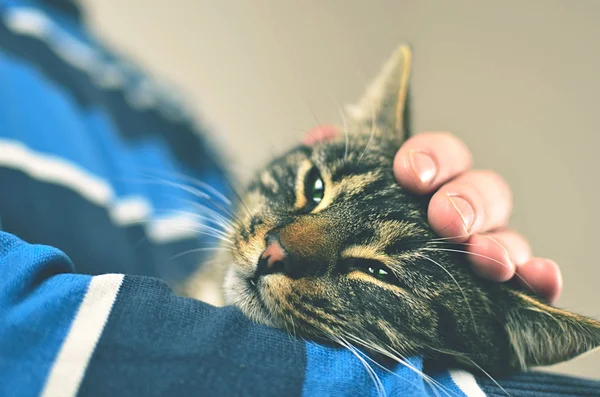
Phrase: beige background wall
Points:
(517, 80)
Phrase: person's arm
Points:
(63, 333)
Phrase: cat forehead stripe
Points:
(303, 169)
(368, 252)
(269, 181)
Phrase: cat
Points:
(327, 245)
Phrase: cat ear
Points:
(384, 106)
(543, 335)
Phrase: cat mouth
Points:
(254, 293)
(240, 292)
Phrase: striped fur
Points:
(425, 301)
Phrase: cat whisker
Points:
(379, 349)
(225, 215)
(225, 240)
(200, 231)
(223, 203)
(203, 230)
(243, 203)
(293, 325)
(312, 112)
(450, 238)
(482, 256)
(204, 213)
(459, 288)
(223, 227)
(394, 355)
(211, 189)
(180, 176)
(451, 243)
(371, 135)
(192, 251)
(376, 348)
(372, 374)
(219, 261)
(205, 221)
(233, 190)
(344, 123)
(206, 230)
(291, 333)
(434, 384)
(489, 376)
(223, 230)
(289, 60)
(437, 241)
(440, 240)
(344, 343)
(186, 188)
(205, 210)
(312, 135)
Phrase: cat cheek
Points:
(324, 133)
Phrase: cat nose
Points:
(273, 260)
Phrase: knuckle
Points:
(487, 179)
(430, 139)
(517, 240)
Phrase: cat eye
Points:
(371, 267)
(314, 187)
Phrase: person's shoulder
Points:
(54, 37)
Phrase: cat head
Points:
(328, 246)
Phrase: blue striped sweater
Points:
(92, 217)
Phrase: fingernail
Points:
(423, 166)
(464, 210)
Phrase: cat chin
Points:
(239, 293)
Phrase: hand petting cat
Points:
(471, 206)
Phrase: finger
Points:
(320, 134)
(475, 202)
(428, 160)
(542, 277)
(495, 255)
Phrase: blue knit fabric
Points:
(339, 372)
(38, 300)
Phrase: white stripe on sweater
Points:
(73, 358)
(123, 211)
(29, 21)
(466, 383)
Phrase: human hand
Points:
(473, 207)
(470, 207)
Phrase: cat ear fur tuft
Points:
(384, 105)
(543, 335)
